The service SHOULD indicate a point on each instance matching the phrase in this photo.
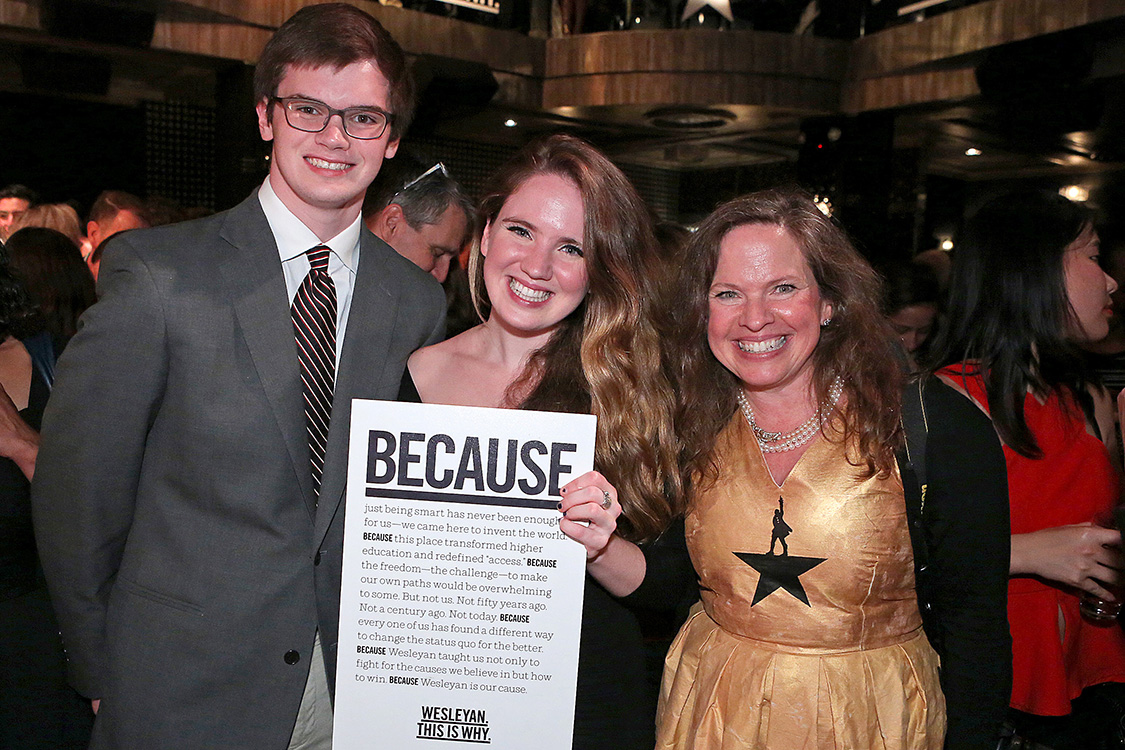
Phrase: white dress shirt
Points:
(294, 239)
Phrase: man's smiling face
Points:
(319, 174)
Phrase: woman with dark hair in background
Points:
(51, 268)
(1026, 289)
(790, 393)
(562, 275)
(38, 709)
(910, 303)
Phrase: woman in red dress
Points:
(1026, 288)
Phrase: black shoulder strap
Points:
(917, 428)
(912, 468)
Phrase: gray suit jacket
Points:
(186, 555)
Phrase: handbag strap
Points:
(917, 428)
(912, 467)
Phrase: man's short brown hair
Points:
(112, 202)
(338, 35)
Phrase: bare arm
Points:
(1076, 555)
(18, 441)
(620, 568)
(1081, 555)
(615, 563)
(1073, 555)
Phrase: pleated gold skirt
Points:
(722, 691)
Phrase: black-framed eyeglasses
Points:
(311, 116)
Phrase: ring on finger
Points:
(606, 500)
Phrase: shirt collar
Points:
(293, 238)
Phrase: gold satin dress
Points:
(808, 634)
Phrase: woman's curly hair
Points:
(858, 345)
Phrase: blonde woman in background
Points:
(58, 216)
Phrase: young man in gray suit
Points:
(189, 492)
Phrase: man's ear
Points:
(92, 234)
(386, 222)
(265, 125)
(392, 218)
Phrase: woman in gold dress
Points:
(790, 417)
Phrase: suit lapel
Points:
(254, 279)
(366, 343)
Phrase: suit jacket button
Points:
(292, 657)
(316, 560)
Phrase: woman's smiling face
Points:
(534, 269)
(765, 309)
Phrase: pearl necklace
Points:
(781, 442)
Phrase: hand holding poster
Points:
(461, 602)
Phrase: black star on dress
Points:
(779, 571)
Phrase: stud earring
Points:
(824, 323)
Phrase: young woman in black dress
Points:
(562, 274)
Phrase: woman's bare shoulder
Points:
(450, 371)
(442, 355)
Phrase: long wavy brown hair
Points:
(858, 344)
(605, 357)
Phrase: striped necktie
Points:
(314, 323)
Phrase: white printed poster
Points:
(462, 601)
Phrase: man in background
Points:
(427, 218)
(14, 201)
(114, 211)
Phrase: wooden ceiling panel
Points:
(608, 83)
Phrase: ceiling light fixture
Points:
(510, 123)
(1076, 193)
(972, 152)
(689, 118)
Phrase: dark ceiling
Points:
(1052, 106)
